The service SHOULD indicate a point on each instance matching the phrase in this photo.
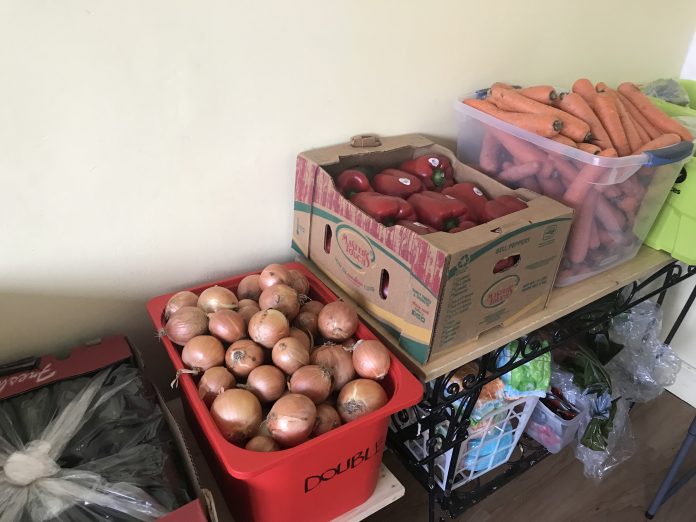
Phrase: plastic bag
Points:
(668, 90)
(645, 366)
(85, 449)
(532, 379)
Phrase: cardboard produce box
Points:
(43, 377)
(438, 290)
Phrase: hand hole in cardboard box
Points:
(384, 284)
(327, 239)
(506, 263)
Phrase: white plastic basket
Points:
(487, 447)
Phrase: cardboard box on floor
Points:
(433, 291)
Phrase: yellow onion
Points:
(313, 307)
(262, 443)
(266, 382)
(227, 325)
(299, 282)
(267, 327)
(303, 337)
(337, 321)
(291, 419)
(217, 298)
(185, 324)
(273, 274)
(237, 413)
(312, 381)
(203, 352)
(289, 354)
(243, 356)
(371, 359)
(178, 300)
(282, 298)
(327, 419)
(214, 381)
(249, 288)
(338, 360)
(360, 397)
(306, 321)
(247, 309)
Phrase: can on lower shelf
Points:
(318, 480)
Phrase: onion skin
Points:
(249, 288)
(292, 419)
(282, 298)
(227, 325)
(203, 352)
(185, 324)
(371, 360)
(243, 356)
(266, 382)
(267, 327)
(247, 311)
(237, 413)
(302, 336)
(289, 354)
(338, 360)
(337, 321)
(262, 443)
(273, 274)
(327, 419)
(214, 381)
(178, 300)
(312, 381)
(217, 298)
(360, 397)
(307, 321)
(313, 307)
(299, 282)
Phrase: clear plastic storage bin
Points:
(487, 447)
(551, 431)
(616, 200)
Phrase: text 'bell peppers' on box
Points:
(434, 290)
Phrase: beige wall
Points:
(149, 145)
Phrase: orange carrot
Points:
(582, 183)
(546, 169)
(519, 148)
(594, 236)
(628, 204)
(629, 126)
(519, 172)
(541, 93)
(546, 125)
(531, 183)
(601, 87)
(573, 103)
(565, 141)
(581, 231)
(611, 191)
(584, 88)
(609, 116)
(654, 115)
(509, 100)
(663, 141)
(551, 187)
(490, 152)
(642, 133)
(609, 216)
(588, 147)
(641, 121)
(565, 169)
(607, 239)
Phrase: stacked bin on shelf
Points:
(318, 480)
(623, 197)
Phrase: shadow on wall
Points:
(36, 324)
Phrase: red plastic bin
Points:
(315, 481)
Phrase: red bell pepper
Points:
(395, 182)
(418, 227)
(501, 206)
(385, 209)
(471, 195)
(352, 181)
(439, 211)
(463, 225)
(435, 171)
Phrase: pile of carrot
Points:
(596, 119)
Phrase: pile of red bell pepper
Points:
(422, 195)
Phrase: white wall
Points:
(149, 145)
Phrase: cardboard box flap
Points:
(333, 154)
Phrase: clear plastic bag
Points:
(86, 449)
(645, 365)
(668, 90)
